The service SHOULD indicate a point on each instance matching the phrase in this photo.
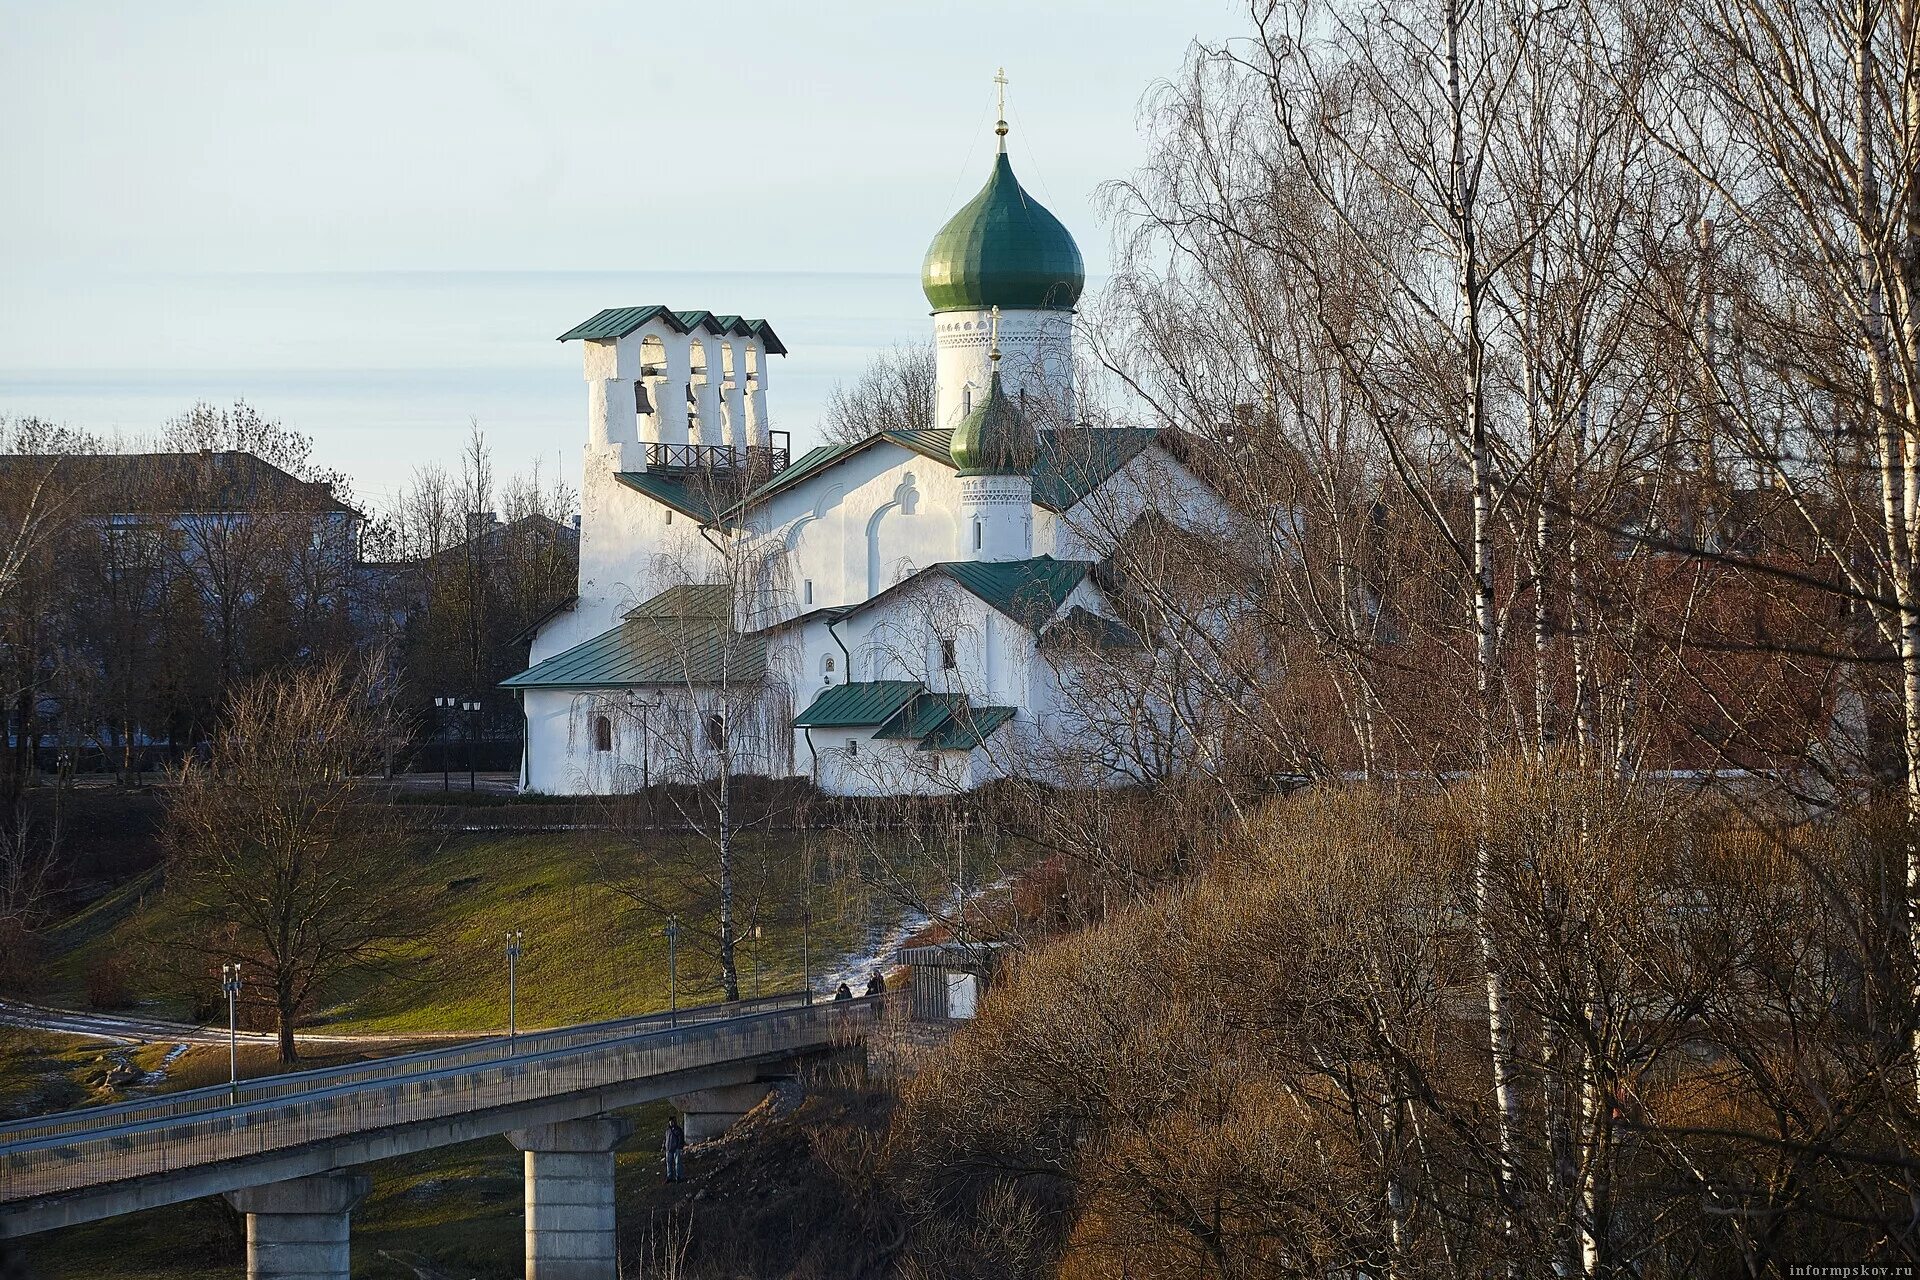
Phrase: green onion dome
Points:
(1003, 250)
(995, 439)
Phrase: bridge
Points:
(281, 1148)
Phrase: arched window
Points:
(602, 733)
(979, 535)
(716, 733)
(827, 667)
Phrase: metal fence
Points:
(72, 1150)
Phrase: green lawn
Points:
(589, 953)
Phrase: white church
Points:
(915, 612)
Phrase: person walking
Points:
(844, 993)
(675, 1146)
(876, 985)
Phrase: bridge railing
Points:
(467, 1053)
(341, 1110)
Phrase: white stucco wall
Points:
(664, 745)
(857, 529)
(1036, 358)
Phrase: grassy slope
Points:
(588, 955)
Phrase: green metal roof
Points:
(968, 729)
(921, 716)
(815, 459)
(677, 492)
(929, 442)
(995, 439)
(676, 638)
(1067, 466)
(687, 600)
(1071, 464)
(618, 322)
(1003, 249)
(1028, 591)
(905, 709)
(847, 706)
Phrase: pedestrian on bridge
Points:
(844, 993)
(876, 985)
(675, 1146)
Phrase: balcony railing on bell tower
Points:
(760, 462)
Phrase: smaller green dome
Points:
(994, 440)
(1003, 249)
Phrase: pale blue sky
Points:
(214, 200)
(407, 136)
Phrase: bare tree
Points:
(702, 710)
(894, 393)
(280, 853)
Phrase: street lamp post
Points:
(230, 983)
(756, 962)
(640, 707)
(441, 708)
(513, 983)
(673, 971)
(472, 724)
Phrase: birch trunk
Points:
(1485, 617)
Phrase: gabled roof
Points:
(860, 702)
(1070, 464)
(679, 637)
(904, 709)
(703, 600)
(1028, 591)
(967, 729)
(189, 483)
(929, 444)
(920, 717)
(618, 322)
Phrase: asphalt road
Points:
(117, 1028)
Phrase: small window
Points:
(853, 746)
(669, 515)
(806, 591)
(716, 733)
(979, 535)
(602, 733)
(947, 662)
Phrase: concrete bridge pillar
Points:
(297, 1230)
(570, 1197)
(711, 1112)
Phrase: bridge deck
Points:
(81, 1165)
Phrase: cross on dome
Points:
(1000, 125)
